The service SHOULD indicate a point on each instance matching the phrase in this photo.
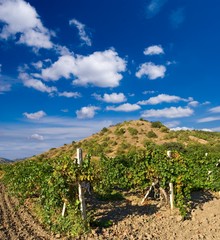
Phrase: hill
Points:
(135, 135)
(4, 160)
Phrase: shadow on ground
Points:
(199, 198)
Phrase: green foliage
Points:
(164, 129)
(52, 182)
(151, 134)
(104, 130)
(119, 131)
(156, 124)
(133, 131)
(174, 146)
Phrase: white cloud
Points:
(4, 87)
(207, 130)
(36, 84)
(161, 98)
(154, 7)
(111, 98)
(64, 110)
(69, 94)
(172, 112)
(154, 50)
(177, 17)
(126, 107)
(181, 128)
(148, 92)
(87, 112)
(38, 65)
(19, 16)
(208, 119)
(33, 116)
(172, 124)
(63, 67)
(37, 137)
(168, 63)
(101, 69)
(82, 33)
(193, 103)
(151, 70)
(215, 109)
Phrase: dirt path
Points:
(130, 221)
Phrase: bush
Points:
(164, 129)
(119, 131)
(133, 131)
(156, 124)
(104, 130)
(151, 134)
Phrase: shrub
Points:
(119, 131)
(104, 130)
(151, 134)
(133, 131)
(164, 129)
(156, 124)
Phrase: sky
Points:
(70, 68)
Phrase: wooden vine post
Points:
(171, 196)
(169, 155)
(80, 188)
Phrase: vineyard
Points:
(47, 184)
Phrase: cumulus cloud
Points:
(154, 50)
(172, 112)
(151, 70)
(126, 107)
(62, 68)
(208, 119)
(82, 33)
(20, 17)
(154, 7)
(35, 116)
(101, 69)
(111, 98)
(215, 110)
(30, 82)
(160, 99)
(37, 137)
(69, 94)
(87, 112)
(177, 17)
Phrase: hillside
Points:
(134, 135)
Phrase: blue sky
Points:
(69, 68)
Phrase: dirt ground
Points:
(130, 220)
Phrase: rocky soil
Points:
(130, 220)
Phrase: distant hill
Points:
(134, 135)
(4, 160)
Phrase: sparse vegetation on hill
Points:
(131, 136)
